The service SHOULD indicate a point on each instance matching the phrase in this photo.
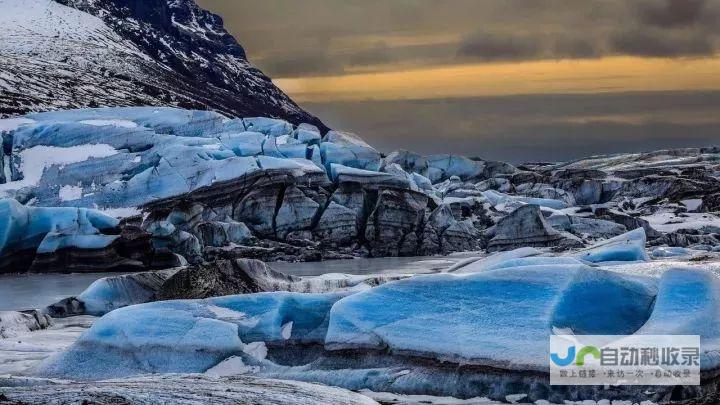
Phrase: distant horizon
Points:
(578, 138)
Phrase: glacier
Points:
(110, 293)
(203, 186)
(44, 230)
(168, 152)
(501, 317)
(191, 336)
(626, 247)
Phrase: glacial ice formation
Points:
(167, 338)
(210, 188)
(214, 187)
(191, 336)
(46, 230)
(626, 247)
(501, 318)
(156, 153)
(688, 303)
(109, 293)
(500, 315)
(217, 279)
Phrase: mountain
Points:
(89, 53)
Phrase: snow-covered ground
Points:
(669, 222)
(178, 389)
(21, 354)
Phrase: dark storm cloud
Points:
(305, 63)
(575, 48)
(290, 38)
(379, 53)
(671, 13)
(660, 44)
(319, 37)
(485, 46)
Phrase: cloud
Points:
(486, 46)
(300, 63)
(288, 38)
(563, 47)
(324, 61)
(660, 44)
(379, 53)
(671, 13)
(530, 127)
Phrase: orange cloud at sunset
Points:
(612, 74)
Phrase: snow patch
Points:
(70, 193)
(286, 330)
(35, 160)
(116, 123)
(670, 222)
(233, 365)
(122, 212)
(256, 350)
(11, 124)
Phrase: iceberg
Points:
(688, 303)
(627, 247)
(172, 337)
(377, 338)
(444, 166)
(349, 150)
(477, 264)
(500, 318)
(110, 293)
(46, 230)
(191, 336)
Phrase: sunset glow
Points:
(615, 74)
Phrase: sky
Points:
(514, 80)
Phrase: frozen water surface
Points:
(20, 292)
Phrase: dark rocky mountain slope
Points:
(89, 53)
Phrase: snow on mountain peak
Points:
(89, 53)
